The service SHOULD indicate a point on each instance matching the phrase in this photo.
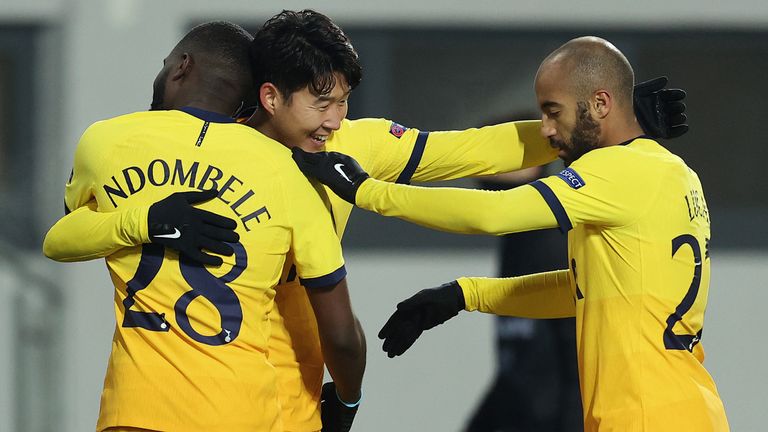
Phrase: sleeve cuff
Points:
(134, 226)
(325, 281)
(470, 300)
(143, 215)
(361, 195)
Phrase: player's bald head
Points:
(588, 64)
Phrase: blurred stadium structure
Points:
(31, 342)
(432, 64)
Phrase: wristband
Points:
(350, 405)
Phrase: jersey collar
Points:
(208, 116)
(635, 138)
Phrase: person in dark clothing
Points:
(536, 387)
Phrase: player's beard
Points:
(585, 136)
(158, 93)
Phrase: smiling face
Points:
(567, 122)
(305, 119)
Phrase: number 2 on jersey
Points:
(674, 341)
(149, 265)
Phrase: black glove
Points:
(175, 223)
(335, 414)
(427, 309)
(659, 110)
(338, 171)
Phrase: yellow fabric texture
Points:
(477, 212)
(638, 253)
(89, 234)
(384, 149)
(540, 295)
(384, 153)
(190, 347)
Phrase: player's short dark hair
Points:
(222, 47)
(294, 50)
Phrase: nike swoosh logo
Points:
(337, 167)
(174, 235)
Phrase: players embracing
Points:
(304, 69)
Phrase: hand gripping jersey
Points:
(387, 151)
(638, 238)
(191, 344)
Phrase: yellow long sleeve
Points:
(87, 234)
(540, 295)
(482, 151)
(456, 210)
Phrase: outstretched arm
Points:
(481, 151)
(456, 210)
(499, 148)
(447, 209)
(542, 295)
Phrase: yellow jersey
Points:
(638, 239)
(190, 349)
(388, 151)
(394, 153)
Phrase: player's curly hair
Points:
(298, 49)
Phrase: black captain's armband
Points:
(194, 175)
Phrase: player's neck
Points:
(222, 109)
(260, 121)
(620, 132)
(205, 100)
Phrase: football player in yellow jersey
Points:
(305, 68)
(190, 350)
(639, 233)
(291, 112)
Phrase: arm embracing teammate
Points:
(639, 263)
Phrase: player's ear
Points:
(269, 97)
(602, 102)
(186, 62)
